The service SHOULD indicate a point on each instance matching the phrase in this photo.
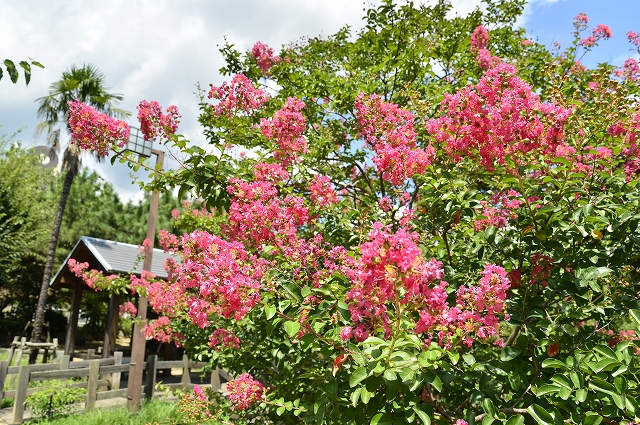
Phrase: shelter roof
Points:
(110, 257)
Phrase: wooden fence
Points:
(100, 373)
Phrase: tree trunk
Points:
(48, 268)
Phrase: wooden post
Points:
(92, 385)
(186, 377)
(90, 353)
(4, 368)
(115, 377)
(138, 341)
(21, 394)
(12, 350)
(20, 350)
(111, 330)
(64, 362)
(70, 341)
(215, 380)
(152, 366)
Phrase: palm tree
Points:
(85, 84)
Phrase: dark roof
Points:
(110, 257)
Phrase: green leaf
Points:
(516, 420)
(547, 389)
(581, 395)
(280, 410)
(489, 408)
(424, 417)
(553, 363)
(291, 328)
(635, 314)
(365, 395)
(27, 71)
(382, 419)
(509, 353)
(562, 380)
(355, 396)
(358, 376)
(540, 415)
(11, 69)
(592, 418)
(602, 386)
(606, 351)
(469, 359)
(390, 375)
(434, 380)
(269, 311)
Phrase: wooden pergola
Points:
(109, 257)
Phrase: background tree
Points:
(86, 84)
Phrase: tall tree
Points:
(86, 84)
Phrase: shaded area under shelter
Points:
(109, 257)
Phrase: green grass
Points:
(155, 412)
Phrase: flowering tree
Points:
(442, 229)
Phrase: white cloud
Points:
(151, 49)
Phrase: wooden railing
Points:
(100, 373)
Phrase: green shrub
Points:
(54, 399)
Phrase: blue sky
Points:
(548, 22)
(159, 49)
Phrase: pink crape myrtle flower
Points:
(244, 391)
(128, 308)
(153, 123)
(321, 191)
(263, 54)
(199, 393)
(479, 39)
(390, 259)
(389, 131)
(94, 279)
(258, 215)
(223, 338)
(94, 131)
(239, 96)
(499, 121)
(287, 128)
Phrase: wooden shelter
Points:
(109, 257)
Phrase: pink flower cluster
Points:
(600, 32)
(393, 271)
(215, 276)
(500, 120)
(94, 279)
(498, 210)
(161, 330)
(223, 338)
(389, 131)
(128, 308)
(153, 123)
(94, 131)
(258, 215)
(321, 192)
(244, 391)
(287, 127)
(199, 393)
(239, 96)
(168, 241)
(270, 172)
(634, 38)
(263, 54)
(479, 39)
(479, 307)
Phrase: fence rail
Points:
(101, 373)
